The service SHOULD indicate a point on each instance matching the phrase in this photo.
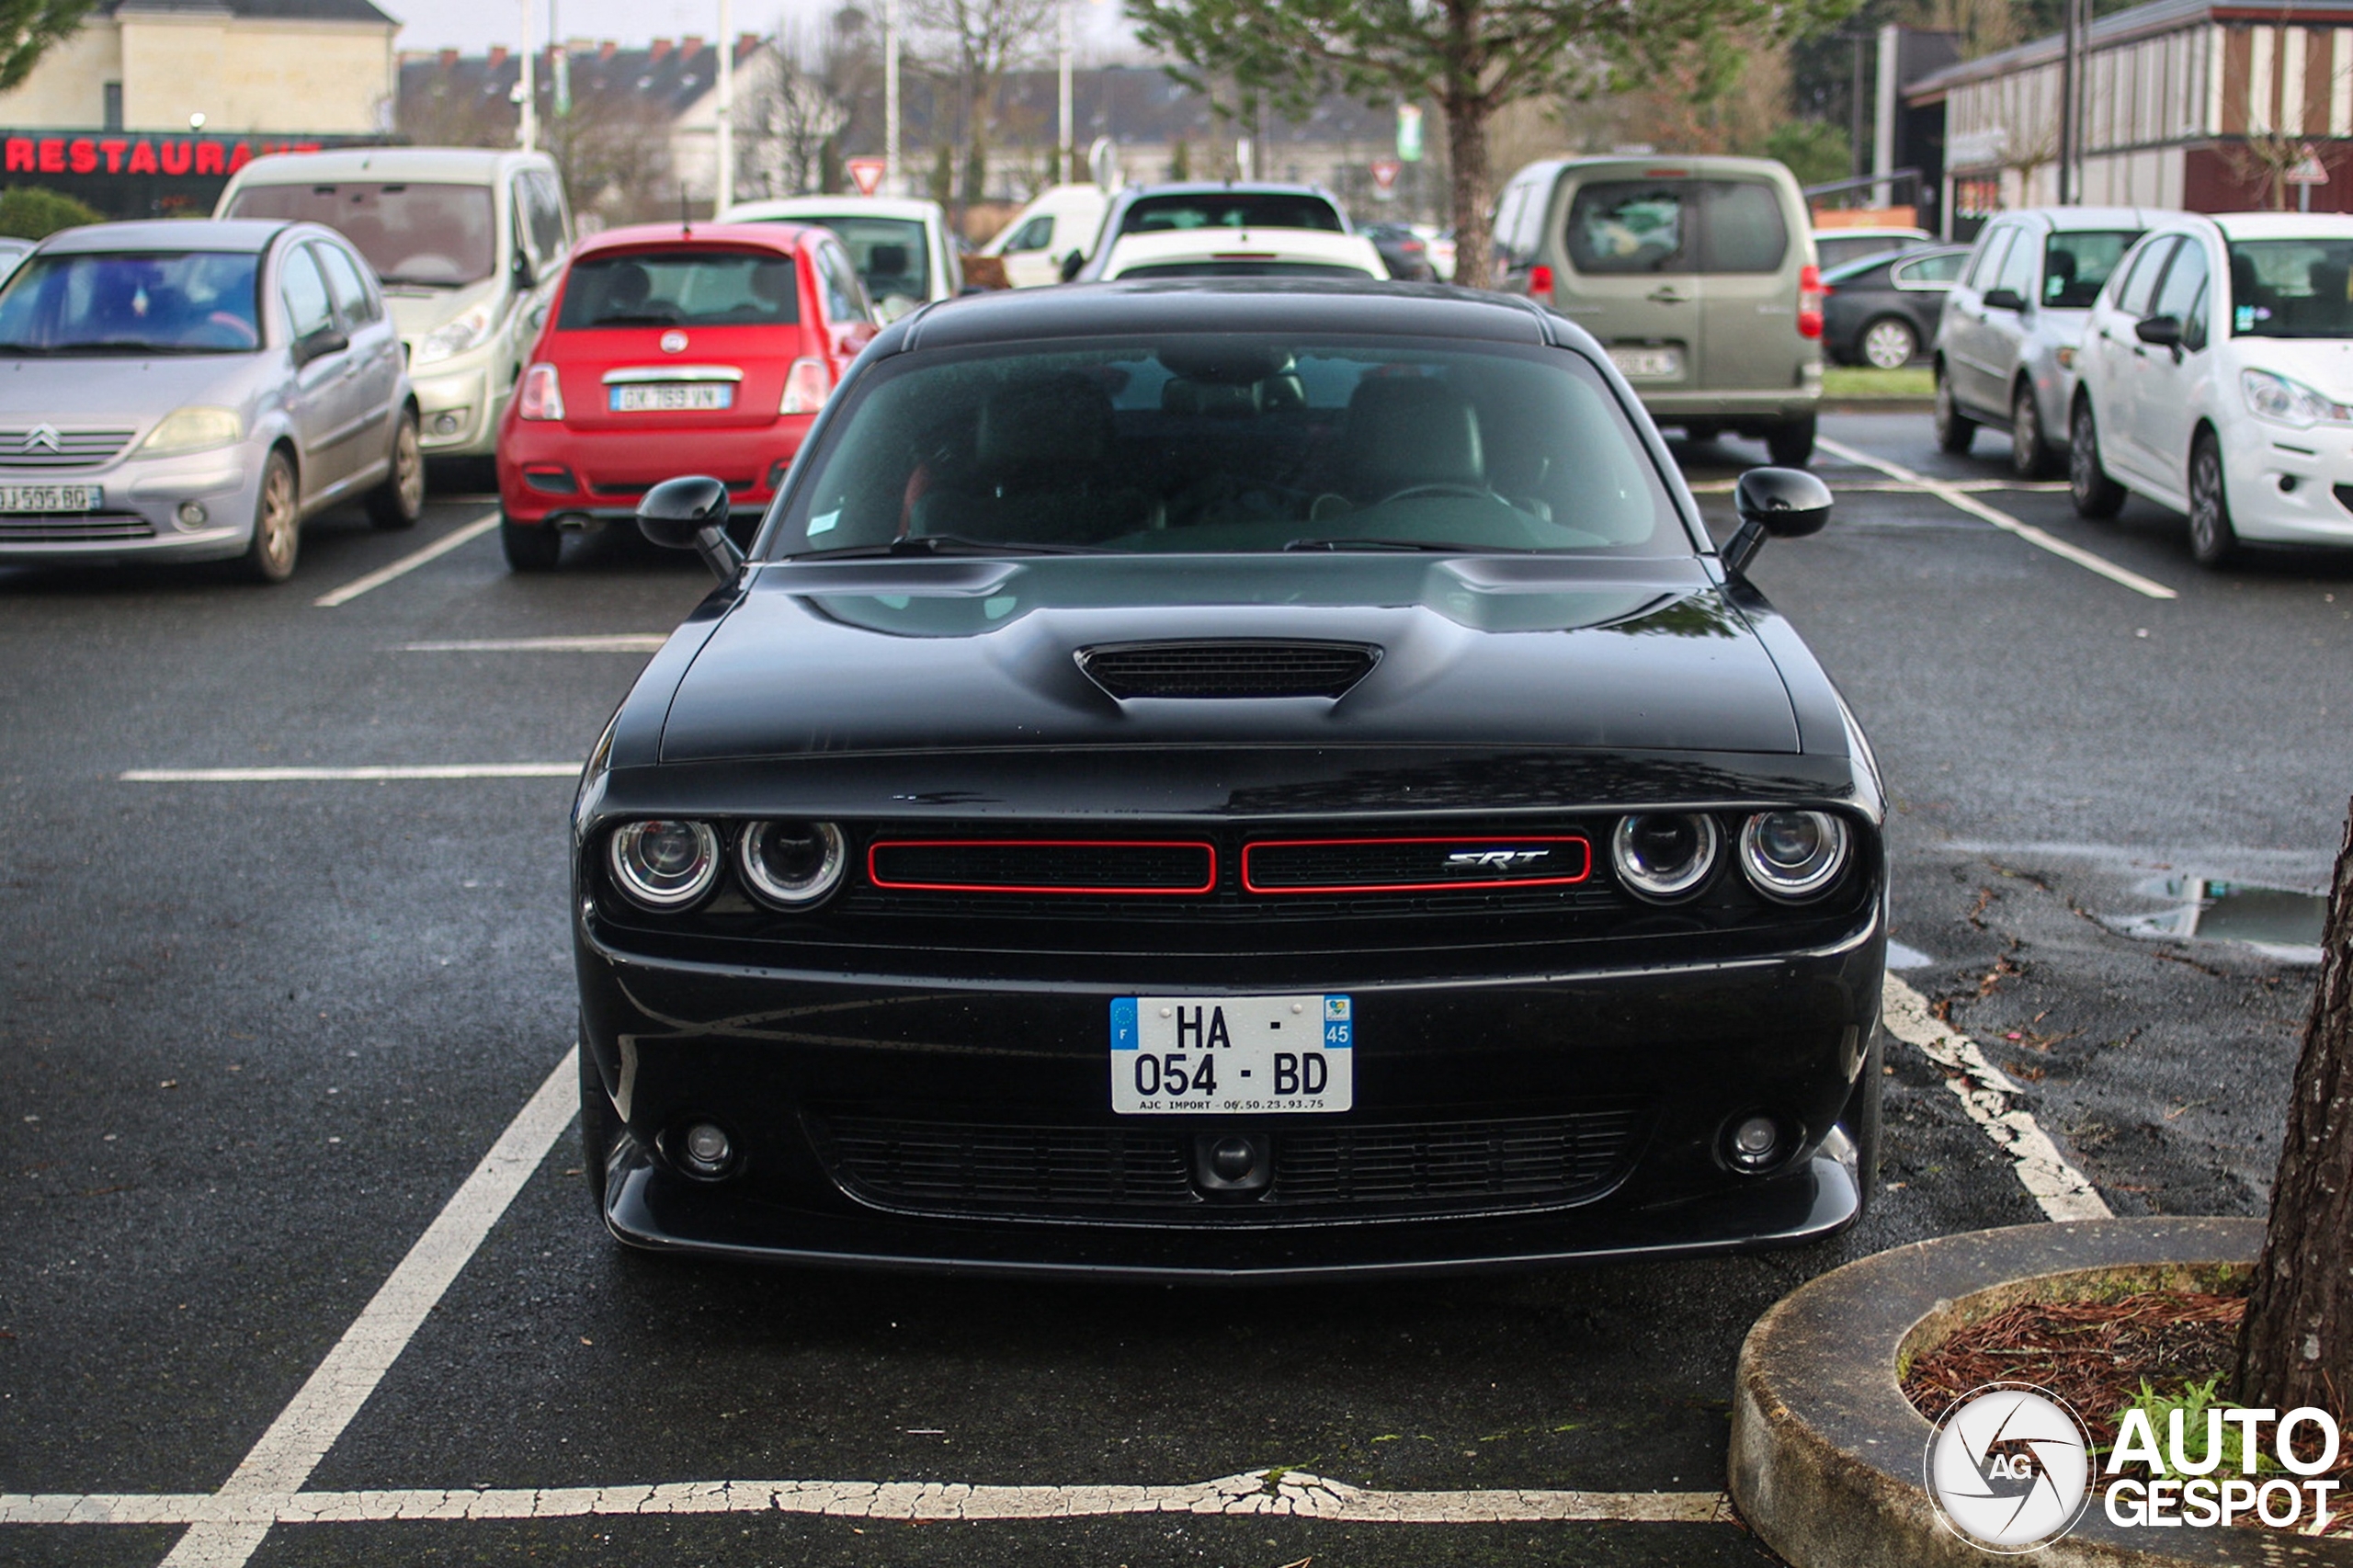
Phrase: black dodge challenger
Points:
(1247, 780)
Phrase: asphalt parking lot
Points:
(260, 1031)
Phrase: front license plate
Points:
(51, 497)
(673, 399)
(1647, 364)
(1221, 1054)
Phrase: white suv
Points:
(2217, 379)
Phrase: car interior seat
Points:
(1040, 470)
(1404, 432)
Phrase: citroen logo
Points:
(41, 436)
(1494, 860)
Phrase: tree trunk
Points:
(2297, 1346)
(1474, 195)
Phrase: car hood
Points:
(2323, 364)
(930, 655)
(127, 391)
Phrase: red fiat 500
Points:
(668, 351)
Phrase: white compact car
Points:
(1244, 253)
(2217, 379)
(901, 249)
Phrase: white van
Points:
(468, 242)
(1063, 219)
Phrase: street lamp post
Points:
(890, 97)
(723, 188)
(527, 133)
(1061, 164)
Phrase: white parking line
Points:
(1954, 495)
(1901, 487)
(306, 1429)
(346, 775)
(407, 563)
(1990, 1099)
(618, 643)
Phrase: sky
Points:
(474, 24)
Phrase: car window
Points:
(1036, 234)
(354, 300)
(2182, 281)
(304, 292)
(139, 301)
(1617, 226)
(702, 287)
(2300, 288)
(1515, 236)
(1836, 250)
(2133, 298)
(890, 256)
(1871, 272)
(543, 213)
(1236, 442)
(2077, 265)
(416, 233)
(1990, 254)
(845, 300)
(1930, 271)
(2017, 268)
(1231, 210)
(1742, 229)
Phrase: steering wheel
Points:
(1474, 492)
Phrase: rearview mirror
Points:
(691, 514)
(1777, 503)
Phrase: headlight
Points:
(195, 430)
(2284, 402)
(1792, 855)
(664, 865)
(1664, 856)
(792, 864)
(456, 337)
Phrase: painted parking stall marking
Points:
(349, 775)
(456, 538)
(614, 643)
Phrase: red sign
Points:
(1385, 174)
(867, 172)
(26, 154)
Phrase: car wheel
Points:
(278, 523)
(1955, 430)
(2031, 455)
(2212, 538)
(599, 1127)
(1890, 343)
(530, 547)
(2088, 486)
(1790, 443)
(399, 500)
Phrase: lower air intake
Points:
(1228, 669)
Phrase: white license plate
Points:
(1647, 364)
(1223, 1054)
(51, 497)
(673, 399)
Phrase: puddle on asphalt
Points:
(2272, 921)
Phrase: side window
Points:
(1990, 254)
(1929, 272)
(2193, 321)
(1632, 226)
(304, 292)
(2133, 298)
(2019, 267)
(354, 300)
(845, 300)
(2185, 281)
(1507, 219)
(517, 193)
(544, 208)
(1743, 229)
(1036, 234)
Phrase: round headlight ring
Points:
(1664, 855)
(663, 863)
(1793, 855)
(792, 864)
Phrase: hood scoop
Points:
(1228, 668)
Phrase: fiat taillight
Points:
(540, 395)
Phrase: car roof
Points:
(2284, 226)
(837, 206)
(1224, 187)
(249, 235)
(1660, 165)
(2076, 220)
(1274, 245)
(1864, 232)
(1863, 263)
(460, 166)
(1298, 306)
(779, 237)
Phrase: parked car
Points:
(1697, 274)
(903, 251)
(1442, 250)
(1883, 309)
(1406, 254)
(2006, 346)
(467, 243)
(2217, 380)
(1244, 253)
(1836, 247)
(192, 390)
(1061, 218)
(1232, 204)
(1123, 825)
(711, 348)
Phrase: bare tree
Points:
(784, 124)
(614, 150)
(974, 43)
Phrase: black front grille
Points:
(45, 449)
(1468, 1167)
(67, 528)
(1414, 863)
(1096, 868)
(1228, 669)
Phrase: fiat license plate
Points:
(1224, 1055)
(1646, 364)
(50, 497)
(672, 398)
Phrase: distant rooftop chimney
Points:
(497, 55)
(661, 48)
(447, 58)
(746, 43)
(690, 46)
(605, 49)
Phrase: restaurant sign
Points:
(128, 173)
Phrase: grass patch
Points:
(1847, 381)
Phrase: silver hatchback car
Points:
(193, 390)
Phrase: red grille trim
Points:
(1251, 882)
(1209, 866)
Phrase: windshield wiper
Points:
(29, 350)
(647, 318)
(398, 282)
(133, 346)
(1404, 544)
(939, 544)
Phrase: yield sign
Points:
(1385, 172)
(867, 172)
(2309, 170)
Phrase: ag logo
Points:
(1493, 859)
(2009, 1468)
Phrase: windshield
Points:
(1270, 267)
(889, 253)
(138, 303)
(436, 235)
(2076, 267)
(2291, 288)
(1222, 443)
(1229, 209)
(680, 288)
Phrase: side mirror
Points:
(320, 344)
(2004, 299)
(1778, 502)
(525, 275)
(1071, 264)
(2165, 332)
(691, 514)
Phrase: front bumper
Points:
(2317, 464)
(1757, 405)
(459, 405)
(140, 518)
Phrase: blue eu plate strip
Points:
(1124, 1023)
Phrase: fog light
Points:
(1755, 1143)
(192, 513)
(450, 422)
(706, 1149)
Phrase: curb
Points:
(1827, 1454)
